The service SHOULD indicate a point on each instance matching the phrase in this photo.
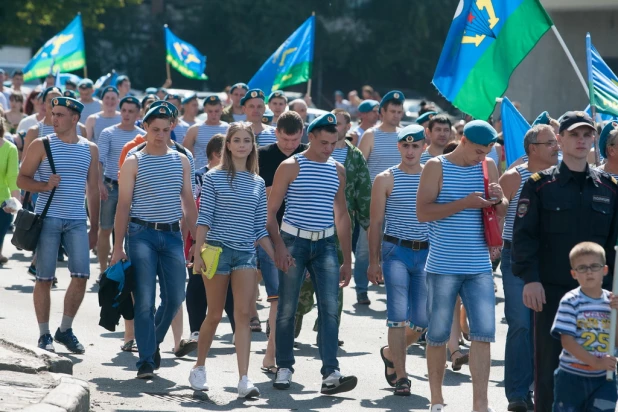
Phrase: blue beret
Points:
(338, 93)
(367, 106)
(252, 94)
(480, 132)
(277, 93)
(213, 99)
(411, 133)
(543, 118)
(173, 109)
(327, 119)
(148, 97)
(85, 83)
(109, 89)
(392, 95)
(52, 89)
(150, 90)
(130, 99)
(121, 78)
(68, 103)
(609, 127)
(173, 96)
(162, 89)
(268, 116)
(158, 110)
(188, 98)
(237, 85)
(425, 117)
(71, 94)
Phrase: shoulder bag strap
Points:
(50, 159)
(486, 179)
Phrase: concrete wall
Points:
(545, 80)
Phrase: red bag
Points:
(493, 235)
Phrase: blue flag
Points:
(62, 53)
(290, 64)
(184, 57)
(600, 117)
(602, 82)
(514, 128)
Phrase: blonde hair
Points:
(586, 249)
(226, 158)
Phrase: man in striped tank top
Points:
(541, 147)
(111, 142)
(154, 194)
(608, 149)
(190, 108)
(199, 135)
(313, 184)
(109, 116)
(450, 197)
(439, 132)
(403, 250)
(277, 102)
(75, 161)
(253, 106)
(91, 105)
(235, 112)
(368, 115)
(379, 146)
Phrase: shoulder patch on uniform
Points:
(536, 177)
(522, 207)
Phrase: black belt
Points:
(411, 244)
(163, 227)
(108, 180)
(506, 244)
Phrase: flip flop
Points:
(254, 324)
(130, 346)
(271, 370)
(391, 379)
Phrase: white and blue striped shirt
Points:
(91, 108)
(384, 154)
(310, 199)
(588, 321)
(235, 212)
(509, 219)
(111, 142)
(205, 132)
(101, 123)
(400, 214)
(72, 162)
(460, 237)
(425, 157)
(340, 155)
(156, 195)
(45, 129)
(181, 130)
(266, 136)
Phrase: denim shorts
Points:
(270, 274)
(478, 297)
(232, 259)
(573, 393)
(108, 207)
(406, 285)
(73, 233)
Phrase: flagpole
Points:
(309, 81)
(79, 13)
(593, 111)
(168, 70)
(570, 57)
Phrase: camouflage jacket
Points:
(358, 185)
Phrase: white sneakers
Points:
(437, 408)
(246, 388)
(197, 378)
(283, 379)
(337, 383)
(195, 335)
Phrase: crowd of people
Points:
(249, 196)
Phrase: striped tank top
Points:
(266, 136)
(384, 153)
(400, 215)
(101, 123)
(90, 108)
(156, 195)
(181, 130)
(72, 161)
(111, 142)
(425, 157)
(205, 132)
(509, 219)
(45, 129)
(309, 202)
(235, 212)
(340, 155)
(457, 243)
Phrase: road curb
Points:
(71, 395)
(54, 363)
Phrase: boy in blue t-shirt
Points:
(583, 324)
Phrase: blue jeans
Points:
(108, 207)
(73, 235)
(154, 253)
(231, 260)
(320, 259)
(573, 393)
(361, 262)
(5, 223)
(478, 297)
(270, 274)
(406, 285)
(519, 350)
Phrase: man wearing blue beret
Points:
(368, 115)
(234, 112)
(190, 108)
(277, 102)
(109, 116)
(75, 164)
(253, 107)
(450, 197)
(424, 119)
(123, 84)
(608, 149)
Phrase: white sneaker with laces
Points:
(195, 335)
(437, 408)
(283, 379)
(246, 388)
(197, 378)
(337, 383)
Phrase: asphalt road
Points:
(111, 373)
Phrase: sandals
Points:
(462, 360)
(402, 387)
(271, 370)
(390, 379)
(129, 346)
(254, 324)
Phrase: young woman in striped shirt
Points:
(233, 217)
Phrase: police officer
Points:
(558, 208)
